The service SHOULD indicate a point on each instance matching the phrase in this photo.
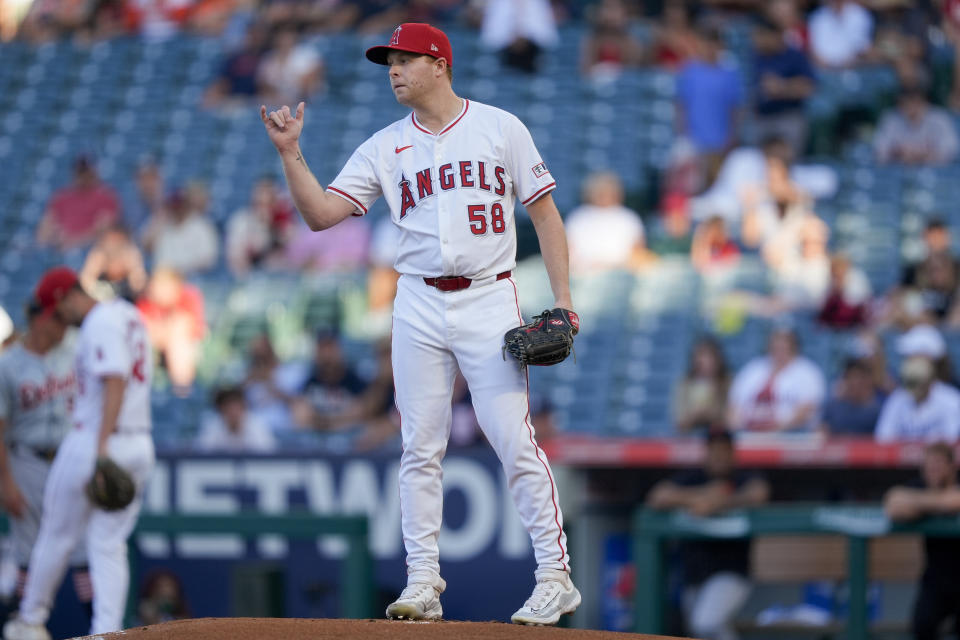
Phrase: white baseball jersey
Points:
(113, 341)
(763, 399)
(36, 394)
(937, 418)
(452, 194)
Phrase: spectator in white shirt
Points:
(157, 19)
(841, 33)
(922, 408)
(782, 391)
(180, 236)
(604, 234)
(796, 253)
(916, 132)
(757, 186)
(232, 429)
(258, 234)
(290, 72)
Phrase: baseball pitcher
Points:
(451, 173)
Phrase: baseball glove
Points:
(111, 488)
(545, 340)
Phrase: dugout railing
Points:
(858, 524)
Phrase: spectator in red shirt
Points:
(609, 47)
(79, 212)
(712, 246)
(173, 312)
(676, 41)
(848, 295)
(786, 15)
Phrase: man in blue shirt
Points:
(855, 408)
(784, 81)
(709, 96)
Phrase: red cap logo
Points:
(414, 37)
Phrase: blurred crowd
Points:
(736, 187)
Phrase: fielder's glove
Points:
(545, 340)
(111, 488)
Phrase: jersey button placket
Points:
(442, 219)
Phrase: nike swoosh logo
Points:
(548, 602)
(399, 149)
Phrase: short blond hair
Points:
(449, 68)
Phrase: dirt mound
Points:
(296, 629)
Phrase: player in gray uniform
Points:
(37, 383)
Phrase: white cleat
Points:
(17, 629)
(418, 601)
(551, 598)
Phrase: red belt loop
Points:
(456, 283)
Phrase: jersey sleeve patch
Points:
(540, 170)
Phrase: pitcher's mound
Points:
(296, 629)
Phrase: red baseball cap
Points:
(414, 37)
(53, 286)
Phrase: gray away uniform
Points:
(36, 398)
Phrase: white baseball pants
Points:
(68, 514)
(433, 332)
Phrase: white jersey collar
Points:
(463, 112)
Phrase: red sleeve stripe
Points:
(543, 190)
(344, 194)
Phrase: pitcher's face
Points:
(411, 76)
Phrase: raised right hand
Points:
(12, 500)
(283, 127)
